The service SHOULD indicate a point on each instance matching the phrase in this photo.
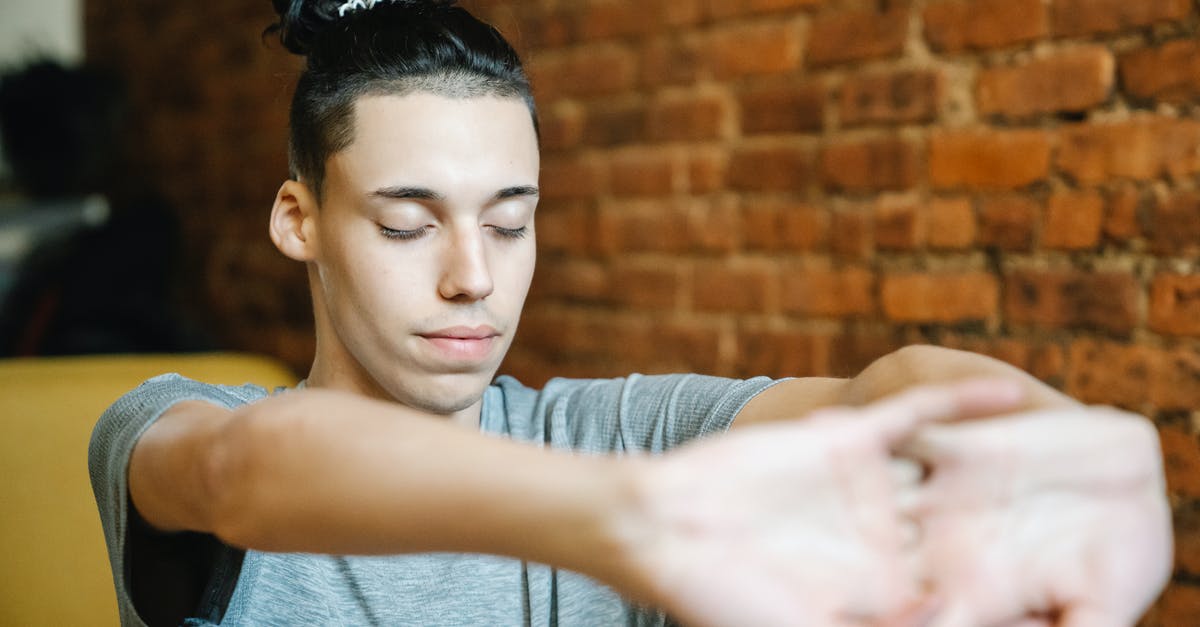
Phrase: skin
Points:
(417, 244)
(459, 253)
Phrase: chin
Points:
(447, 395)
(443, 406)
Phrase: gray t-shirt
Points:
(638, 413)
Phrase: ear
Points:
(294, 221)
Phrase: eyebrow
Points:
(422, 193)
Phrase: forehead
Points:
(437, 141)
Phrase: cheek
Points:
(369, 281)
(516, 270)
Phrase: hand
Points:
(1057, 517)
(794, 523)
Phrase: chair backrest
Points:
(55, 565)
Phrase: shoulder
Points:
(131, 414)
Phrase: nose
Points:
(466, 276)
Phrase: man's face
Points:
(426, 247)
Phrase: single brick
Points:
(1168, 73)
(857, 34)
(775, 226)
(570, 179)
(644, 172)
(1007, 222)
(1134, 376)
(771, 168)
(726, 287)
(1175, 224)
(676, 346)
(1072, 299)
(644, 285)
(940, 297)
(1073, 220)
(596, 70)
(950, 223)
(771, 48)
(690, 118)
(571, 280)
(542, 29)
(892, 98)
(590, 71)
(873, 165)
(1085, 17)
(1075, 80)
(988, 159)
(672, 61)
(1111, 373)
(795, 107)
(584, 335)
(648, 226)
(830, 293)
(613, 124)
(564, 227)
(984, 24)
(608, 20)
(1143, 148)
(898, 226)
(714, 226)
(1175, 304)
(782, 353)
(663, 345)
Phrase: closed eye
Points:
(403, 234)
(510, 233)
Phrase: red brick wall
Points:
(784, 187)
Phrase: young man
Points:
(412, 204)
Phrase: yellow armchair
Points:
(55, 564)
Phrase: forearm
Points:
(889, 375)
(920, 365)
(333, 473)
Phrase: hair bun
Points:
(302, 21)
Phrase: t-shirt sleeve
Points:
(112, 442)
(639, 412)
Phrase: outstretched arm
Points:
(323, 471)
(331, 472)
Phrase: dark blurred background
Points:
(784, 187)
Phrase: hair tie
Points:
(355, 5)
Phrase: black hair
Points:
(393, 48)
(61, 127)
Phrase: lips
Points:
(462, 343)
